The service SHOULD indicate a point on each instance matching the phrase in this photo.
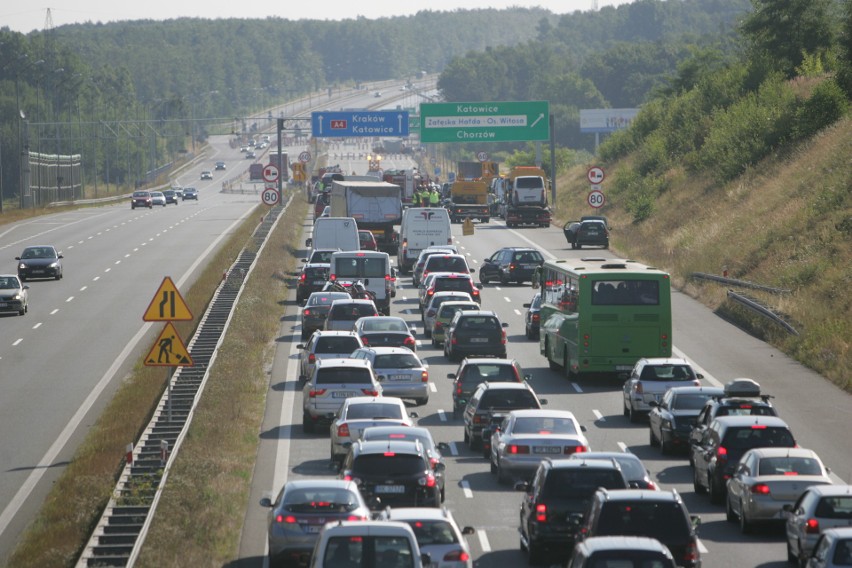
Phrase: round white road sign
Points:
(305, 157)
(270, 172)
(596, 199)
(482, 156)
(595, 175)
(270, 196)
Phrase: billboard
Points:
(606, 119)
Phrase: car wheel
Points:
(730, 516)
(665, 447)
(501, 475)
(483, 279)
(696, 484)
(802, 559)
(745, 524)
(493, 466)
(652, 440)
(466, 437)
(59, 276)
(535, 556)
(421, 401)
(714, 491)
(456, 413)
(503, 280)
(434, 343)
(791, 558)
(427, 332)
(22, 311)
(23, 278)
(307, 423)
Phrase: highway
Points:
(818, 413)
(63, 361)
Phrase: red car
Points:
(367, 240)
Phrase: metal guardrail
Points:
(762, 310)
(740, 283)
(120, 533)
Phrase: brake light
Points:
(343, 430)
(515, 449)
(434, 462)
(812, 526)
(536, 317)
(474, 292)
(439, 325)
(313, 393)
(511, 267)
(478, 419)
(760, 489)
(503, 339)
(586, 338)
(307, 312)
(356, 518)
(428, 481)
(456, 556)
(365, 340)
(430, 292)
(690, 554)
(575, 450)
(758, 427)
(283, 519)
(409, 341)
(652, 485)
(722, 453)
(424, 376)
(459, 389)
(332, 277)
(745, 406)
(388, 277)
(370, 392)
(302, 277)
(541, 513)
(454, 341)
(431, 313)
(312, 358)
(638, 388)
(389, 454)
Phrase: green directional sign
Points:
(485, 122)
(413, 123)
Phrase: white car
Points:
(437, 534)
(361, 412)
(346, 543)
(651, 378)
(400, 371)
(158, 198)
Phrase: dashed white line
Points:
(702, 548)
(432, 387)
(54, 311)
(466, 489)
(127, 255)
(36, 326)
(454, 449)
(21, 339)
(576, 387)
(118, 262)
(483, 540)
(83, 288)
(108, 269)
(90, 237)
(136, 249)
(517, 312)
(96, 278)
(508, 299)
(442, 416)
(623, 447)
(598, 415)
(69, 299)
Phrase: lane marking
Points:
(517, 312)
(702, 548)
(623, 447)
(432, 387)
(454, 449)
(69, 299)
(508, 299)
(466, 489)
(36, 326)
(483, 540)
(442, 415)
(54, 311)
(576, 387)
(96, 278)
(598, 415)
(83, 288)
(108, 269)
(17, 342)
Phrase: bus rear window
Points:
(626, 293)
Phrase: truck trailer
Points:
(375, 205)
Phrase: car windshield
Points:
(326, 299)
(787, 465)
(578, 482)
(515, 398)
(758, 436)
(373, 410)
(336, 344)
(689, 401)
(544, 425)
(396, 361)
(384, 324)
(38, 252)
(389, 464)
(669, 373)
(320, 501)
(662, 520)
(9, 283)
(433, 532)
(344, 375)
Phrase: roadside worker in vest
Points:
(424, 197)
(434, 198)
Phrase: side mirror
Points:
(266, 502)
(308, 242)
(468, 530)
(505, 324)
(527, 305)
(374, 503)
(440, 467)
(543, 401)
(575, 519)
(472, 270)
(788, 508)
(479, 286)
(653, 403)
(304, 260)
(300, 346)
(696, 520)
(443, 446)
(582, 428)
(451, 376)
(522, 486)
(486, 433)
(528, 378)
(413, 415)
(426, 559)
(366, 282)
(699, 375)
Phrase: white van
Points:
(372, 268)
(335, 233)
(421, 228)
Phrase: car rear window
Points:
(321, 257)
(487, 323)
(385, 325)
(327, 299)
(396, 361)
(528, 257)
(354, 550)
(513, 399)
(453, 284)
(337, 344)
(389, 464)
(481, 372)
(373, 410)
(440, 263)
(758, 436)
(669, 373)
(662, 520)
(834, 508)
(343, 375)
(450, 311)
(316, 272)
(351, 312)
(323, 500)
(433, 532)
(747, 410)
(689, 401)
(843, 553)
(788, 465)
(543, 425)
(580, 482)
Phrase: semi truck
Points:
(469, 200)
(524, 200)
(375, 205)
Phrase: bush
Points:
(826, 105)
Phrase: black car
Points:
(589, 233)
(312, 279)
(532, 318)
(220, 166)
(640, 512)
(475, 333)
(715, 456)
(510, 264)
(473, 372)
(316, 310)
(491, 401)
(741, 397)
(190, 193)
(556, 500)
(672, 418)
(171, 196)
(39, 262)
(394, 473)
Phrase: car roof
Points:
(782, 452)
(712, 391)
(742, 421)
(475, 313)
(328, 332)
(425, 432)
(342, 362)
(838, 532)
(386, 350)
(396, 446)
(618, 542)
(320, 483)
(580, 463)
(606, 455)
(643, 495)
(535, 412)
(664, 361)
(352, 301)
(368, 399)
(419, 513)
(504, 385)
(830, 490)
(488, 361)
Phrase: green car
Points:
(445, 316)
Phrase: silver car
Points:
(361, 412)
(300, 511)
(437, 534)
(819, 508)
(526, 437)
(833, 549)
(649, 381)
(325, 345)
(333, 381)
(400, 372)
(158, 198)
(13, 295)
(430, 311)
(766, 479)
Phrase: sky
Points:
(25, 17)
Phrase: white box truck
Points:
(335, 233)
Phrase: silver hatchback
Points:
(332, 382)
(649, 381)
(400, 372)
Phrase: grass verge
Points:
(74, 505)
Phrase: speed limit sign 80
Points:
(596, 199)
(270, 196)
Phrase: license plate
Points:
(547, 450)
(37, 271)
(479, 340)
(313, 529)
(3, 304)
(319, 282)
(624, 367)
(399, 377)
(528, 266)
(342, 394)
(390, 489)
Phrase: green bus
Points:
(602, 315)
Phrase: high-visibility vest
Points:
(434, 198)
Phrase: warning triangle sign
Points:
(167, 304)
(168, 350)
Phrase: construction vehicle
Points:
(469, 200)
